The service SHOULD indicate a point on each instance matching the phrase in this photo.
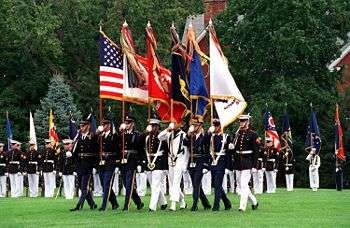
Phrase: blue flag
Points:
(313, 137)
(270, 130)
(286, 137)
(8, 132)
(73, 130)
(93, 125)
(198, 89)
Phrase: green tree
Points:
(59, 99)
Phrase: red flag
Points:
(159, 78)
(339, 147)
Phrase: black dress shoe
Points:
(93, 207)
(125, 209)
(215, 209)
(240, 210)
(254, 207)
(194, 208)
(163, 207)
(115, 206)
(228, 208)
(207, 207)
(75, 209)
(150, 210)
(140, 206)
(102, 209)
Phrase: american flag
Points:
(270, 130)
(313, 137)
(111, 69)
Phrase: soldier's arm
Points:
(163, 135)
(277, 159)
(255, 147)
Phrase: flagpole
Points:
(191, 133)
(100, 152)
(123, 133)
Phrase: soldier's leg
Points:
(206, 183)
(155, 189)
(317, 179)
(202, 196)
(269, 181)
(20, 184)
(135, 197)
(310, 178)
(291, 182)
(188, 185)
(115, 186)
(162, 198)
(245, 177)
(112, 197)
(224, 181)
(2, 186)
(141, 183)
(195, 184)
(238, 181)
(104, 184)
(231, 176)
(218, 176)
(273, 187)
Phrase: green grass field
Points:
(301, 208)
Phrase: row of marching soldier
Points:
(164, 154)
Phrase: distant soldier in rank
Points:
(131, 155)
(48, 167)
(315, 163)
(67, 169)
(14, 159)
(199, 162)
(258, 176)
(32, 169)
(246, 155)
(108, 144)
(217, 145)
(157, 164)
(3, 171)
(289, 163)
(272, 158)
(85, 152)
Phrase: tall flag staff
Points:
(339, 146)
(224, 93)
(32, 135)
(53, 136)
(313, 137)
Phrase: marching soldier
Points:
(131, 155)
(48, 168)
(199, 162)
(246, 154)
(338, 173)
(67, 169)
(289, 162)
(14, 160)
(178, 162)
(85, 152)
(108, 142)
(271, 157)
(217, 145)
(315, 163)
(157, 164)
(258, 176)
(32, 169)
(3, 171)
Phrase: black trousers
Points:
(106, 177)
(84, 180)
(339, 179)
(130, 189)
(218, 176)
(196, 178)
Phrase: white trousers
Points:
(115, 185)
(188, 188)
(3, 187)
(176, 195)
(141, 183)
(157, 191)
(238, 181)
(15, 185)
(68, 186)
(50, 184)
(231, 181)
(33, 182)
(245, 190)
(289, 182)
(97, 185)
(21, 184)
(206, 183)
(314, 178)
(258, 181)
(270, 181)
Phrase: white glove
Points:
(41, 173)
(60, 174)
(100, 128)
(171, 126)
(211, 129)
(54, 172)
(149, 128)
(205, 171)
(69, 154)
(254, 170)
(287, 168)
(37, 173)
(337, 169)
(231, 146)
(7, 174)
(24, 174)
(116, 171)
(139, 169)
(94, 171)
(19, 173)
(191, 129)
(276, 170)
(263, 169)
(74, 173)
(122, 127)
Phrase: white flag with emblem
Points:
(32, 135)
(229, 102)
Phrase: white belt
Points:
(33, 163)
(271, 160)
(159, 153)
(244, 152)
(14, 162)
(289, 164)
(49, 161)
(259, 159)
(220, 153)
(2, 164)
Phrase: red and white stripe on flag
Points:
(111, 83)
